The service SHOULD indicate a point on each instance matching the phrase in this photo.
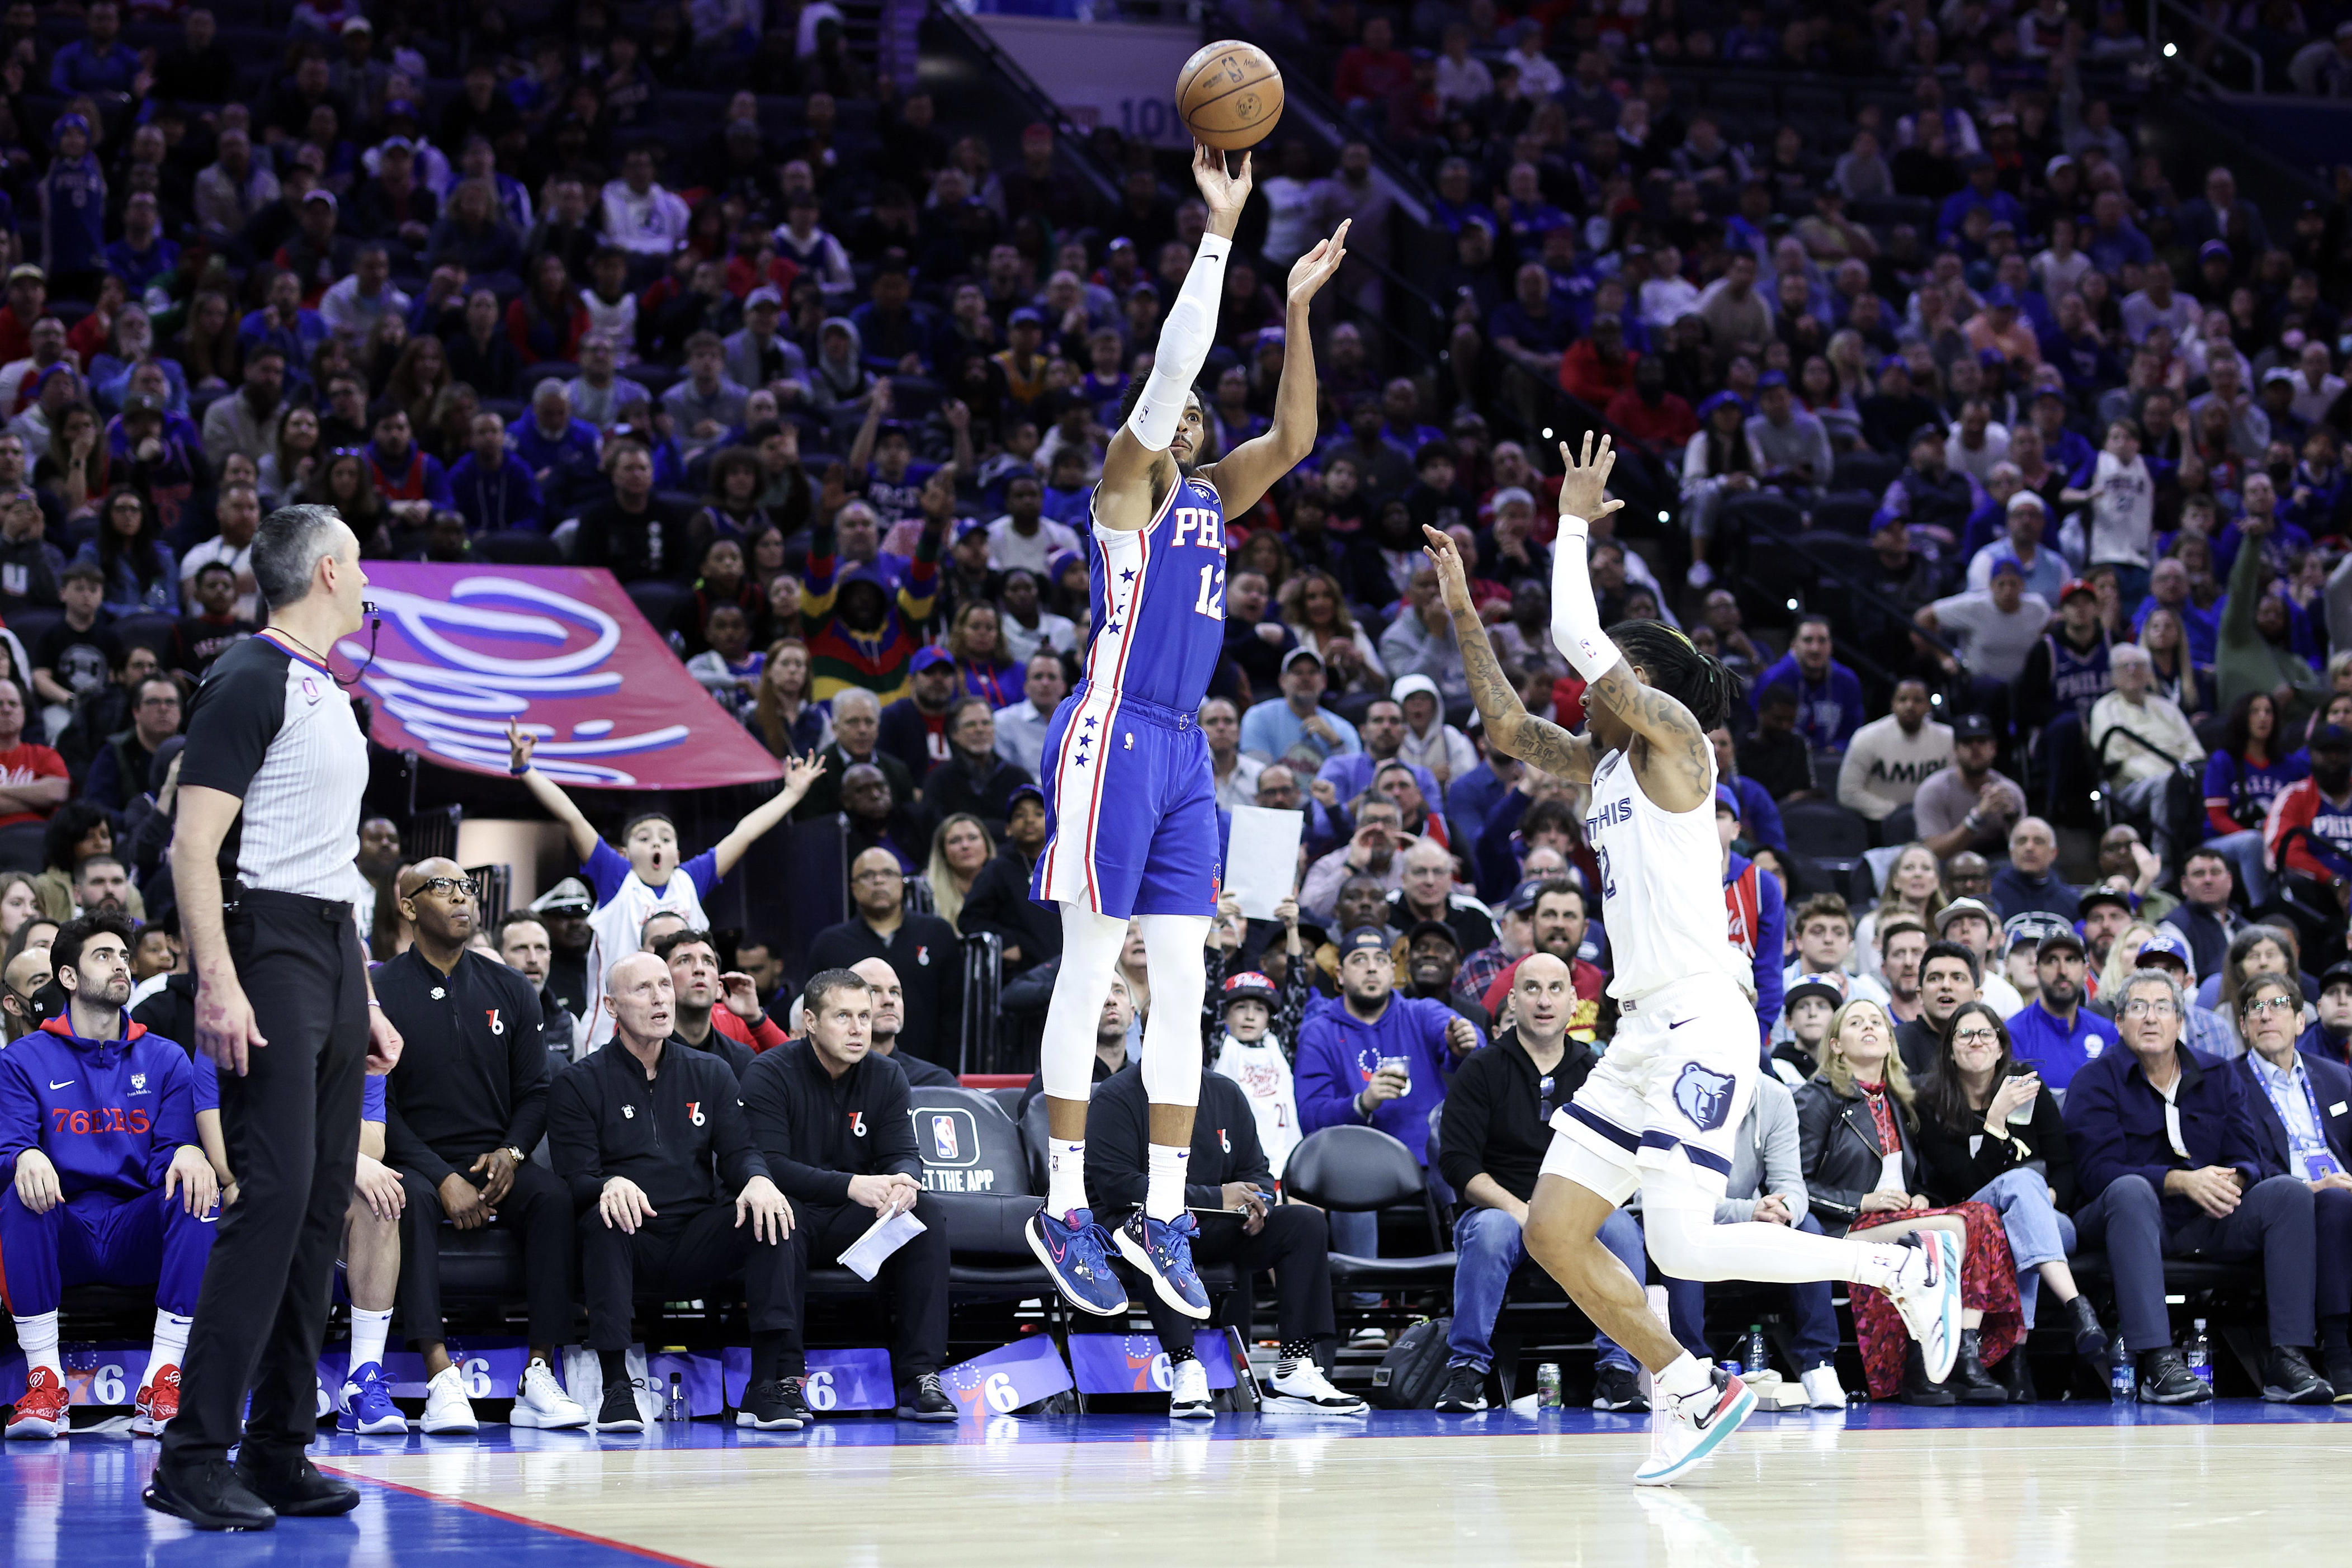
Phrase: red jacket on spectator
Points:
(1371, 74)
(2301, 804)
(767, 1037)
(538, 336)
(1584, 373)
(1590, 979)
(1671, 424)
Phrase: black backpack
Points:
(1412, 1376)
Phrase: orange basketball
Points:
(1230, 95)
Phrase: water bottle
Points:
(2122, 1381)
(1754, 1351)
(2200, 1354)
(676, 1398)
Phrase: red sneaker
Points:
(41, 1408)
(159, 1401)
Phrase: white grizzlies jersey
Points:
(1660, 884)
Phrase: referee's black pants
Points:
(1295, 1243)
(293, 1127)
(673, 1257)
(915, 1278)
(537, 1211)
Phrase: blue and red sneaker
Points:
(1077, 1252)
(1163, 1250)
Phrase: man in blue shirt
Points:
(2300, 1104)
(1376, 1059)
(1269, 729)
(495, 491)
(100, 62)
(1829, 695)
(2056, 1034)
(1382, 735)
(1983, 190)
(2166, 1157)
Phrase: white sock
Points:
(171, 1339)
(1065, 1174)
(36, 1336)
(1877, 1264)
(1164, 1192)
(1684, 1377)
(369, 1331)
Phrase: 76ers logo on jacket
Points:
(1704, 1096)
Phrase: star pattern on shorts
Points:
(1127, 576)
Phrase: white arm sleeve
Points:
(1185, 339)
(1575, 618)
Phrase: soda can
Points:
(1547, 1385)
(1732, 1367)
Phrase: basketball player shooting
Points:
(1131, 816)
(1662, 1110)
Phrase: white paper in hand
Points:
(866, 1256)
(1262, 858)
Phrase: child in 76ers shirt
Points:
(106, 1181)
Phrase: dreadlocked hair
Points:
(1676, 667)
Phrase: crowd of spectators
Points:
(826, 384)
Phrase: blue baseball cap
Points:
(932, 659)
(1727, 801)
(2168, 943)
(1364, 939)
(1771, 378)
(1709, 407)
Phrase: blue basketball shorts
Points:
(1130, 809)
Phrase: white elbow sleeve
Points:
(1185, 339)
(1575, 618)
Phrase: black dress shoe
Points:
(2165, 1379)
(619, 1411)
(297, 1491)
(2339, 1364)
(208, 1495)
(2287, 1378)
(775, 1405)
(1969, 1382)
(1918, 1388)
(929, 1401)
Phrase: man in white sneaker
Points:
(1229, 1189)
(463, 1114)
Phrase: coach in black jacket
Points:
(830, 1117)
(651, 1138)
(463, 1110)
(1227, 1180)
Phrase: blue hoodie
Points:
(1338, 1053)
(110, 1114)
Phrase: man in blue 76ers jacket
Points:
(107, 1183)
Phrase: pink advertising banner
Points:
(464, 650)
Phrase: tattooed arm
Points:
(1672, 759)
(1510, 728)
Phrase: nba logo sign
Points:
(943, 1140)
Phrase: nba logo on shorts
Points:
(943, 1140)
(1703, 1095)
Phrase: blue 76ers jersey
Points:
(1158, 600)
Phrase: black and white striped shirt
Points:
(273, 729)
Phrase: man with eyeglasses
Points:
(2168, 950)
(923, 949)
(2166, 1152)
(466, 1105)
(2301, 1106)
(118, 774)
(2056, 1033)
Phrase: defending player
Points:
(1131, 807)
(1660, 1110)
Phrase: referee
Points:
(263, 858)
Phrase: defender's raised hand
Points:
(1583, 487)
(1226, 192)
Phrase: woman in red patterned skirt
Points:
(1856, 1124)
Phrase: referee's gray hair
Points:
(287, 548)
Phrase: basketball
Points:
(1230, 95)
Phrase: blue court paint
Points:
(73, 1503)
